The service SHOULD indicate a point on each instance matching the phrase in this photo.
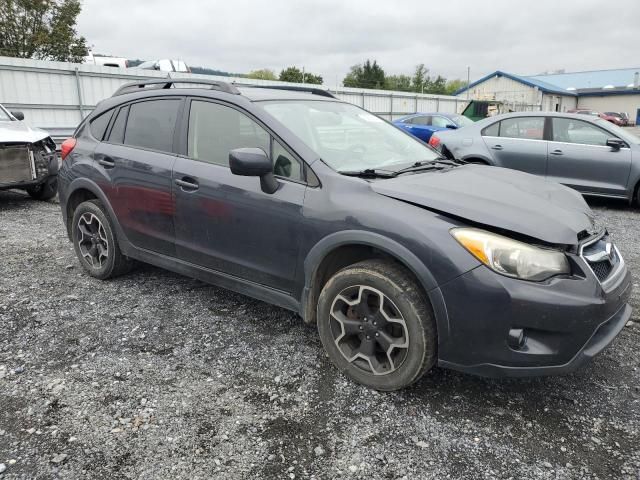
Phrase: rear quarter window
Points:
(98, 126)
(492, 130)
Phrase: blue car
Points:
(422, 125)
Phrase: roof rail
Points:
(295, 88)
(167, 83)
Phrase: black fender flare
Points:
(91, 186)
(401, 253)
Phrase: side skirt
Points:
(214, 277)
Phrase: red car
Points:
(615, 118)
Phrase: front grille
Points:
(15, 164)
(602, 258)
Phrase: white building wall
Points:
(613, 103)
(558, 103)
(506, 90)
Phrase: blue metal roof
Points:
(593, 79)
(559, 83)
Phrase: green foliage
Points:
(43, 29)
(295, 75)
(454, 85)
(367, 75)
(371, 75)
(262, 74)
(400, 83)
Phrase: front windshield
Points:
(462, 121)
(618, 131)
(4, 116)
(348, 138)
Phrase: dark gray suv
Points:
(402, 258)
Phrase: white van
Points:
(165, 65)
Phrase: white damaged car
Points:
(28, 157)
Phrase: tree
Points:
(295, 75)
(437, 85)
(400, 83)
(367, 75)
(43, 29)
(420, 79)
(454, 85)
(262, 74)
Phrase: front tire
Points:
(377, 326)
(45, 191)
(95, 242)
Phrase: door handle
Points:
(107, 162)
(556, 152)
(187, 183)
(497, 147)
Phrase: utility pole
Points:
(303, 74)
(468, 81)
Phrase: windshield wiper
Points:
(368, 173)
(437, 164)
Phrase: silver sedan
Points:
(589, 154)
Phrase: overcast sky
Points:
(328, 36)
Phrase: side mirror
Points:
(615, 143)
(253, 162)
(18, 115)
(451, 126)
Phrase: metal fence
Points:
(56, 96)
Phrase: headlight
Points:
(510, 257)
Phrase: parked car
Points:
(422, 125)
(587, 153)
(625, 118)
(28, 158)
(615, 118)
(585, 111)
(106, 61)
(165, 65)
(402, 259)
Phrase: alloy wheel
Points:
(369, 330)
(92, 240)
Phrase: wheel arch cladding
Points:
(341, 249)
(82, 189)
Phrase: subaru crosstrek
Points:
(403, 259)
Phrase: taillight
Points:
(67, 147)
(434, 141)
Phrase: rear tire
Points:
(95, 242)
(377, 326)
(45, 191)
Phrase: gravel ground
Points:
(154, 375)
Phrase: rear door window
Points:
(422, 120)
(151, 124)
(117, 130)
(530, 128)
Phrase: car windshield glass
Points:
(348, 138)
(4, 116)
(618, 131)
(462, 121)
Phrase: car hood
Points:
(20, 132)
(497, 197)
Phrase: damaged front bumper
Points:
(25, 165)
